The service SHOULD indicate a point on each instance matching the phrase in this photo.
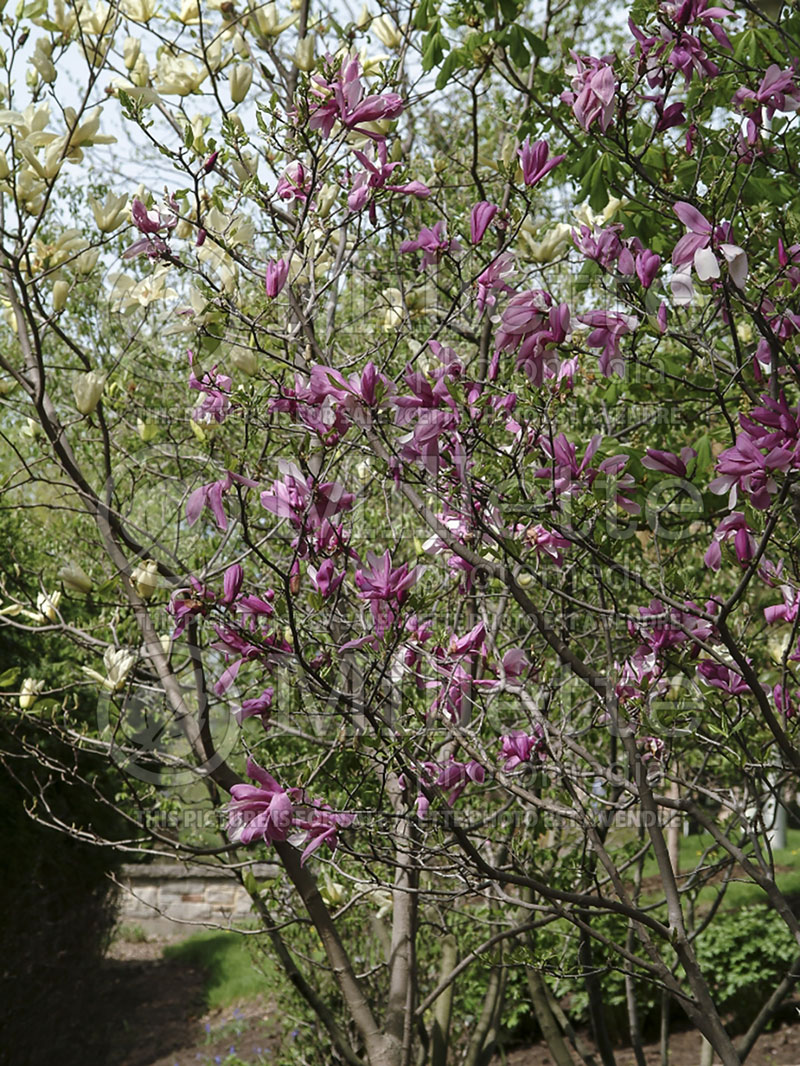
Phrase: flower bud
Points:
(60, 293)
(75, 578)
(29, 693)
(147, 430)
(241, 78)
(244, 359)
(385, 29)
(88, 388)
(145, 578)
(131, 51)
(304, 54)
(47, 605)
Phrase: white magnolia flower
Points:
(29, 692)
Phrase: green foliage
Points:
(745, 953)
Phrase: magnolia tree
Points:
(408, 404)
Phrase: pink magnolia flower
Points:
(156, 227)
(385, 587)
(652, 748)
(259, 812)
(697, 248)
(258, 707)
(321, 824)
(735, 528)
(453, 778)
(342, 99)
(276, 276)
(535, 162)
(594, 90)
(668, 462)
(786, 611)
(492, 280)
(432, 242)
(295, 184)
(214, 391)
(722, 677)
(519, 747)
(546, 543)
(608, 328)
(745, 467)
(305, 502)
(325, 577)
(480, 218)
(535, 326)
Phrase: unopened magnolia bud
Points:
(245, 360)
(88, 388)
(147, 430)
(145, 578)
(326, 198)
(29, 693)
(364, 17)
(241, 78)
(4, 167)
(387, 32)
(304, 54)
(60, 293)
(75, 578)
(130, 51)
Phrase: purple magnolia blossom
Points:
(385, 587)
(786, 611)
(259, 812)
(305, 502)
(698, 247)
(652, 748)
(210, 496)
(188, 603)
(452, 778)
(493, 279)
(321, 824)
(232, 584)
(735, 528)
(534, 326)
(258, 707)
(661, 628)
(432, 242)
(325, 578)
(276, 276)
(480, 218)
(594, 90)
(535, 162)
(156, 227)
(725, 678)
(342, 99)
(519, 747)
(744, 467)
(295, 183)
(647, 265)
(640, 676)
(546, 543)
(377, 172)
(608, 328)
(214, 392)
(668, 462)
(569, 477)
(786, 702)
(778, 91)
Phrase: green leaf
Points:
(8, 677)
(449, 67)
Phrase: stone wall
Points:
(172, 900)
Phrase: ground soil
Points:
(153, 1015)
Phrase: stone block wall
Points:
(172, 900)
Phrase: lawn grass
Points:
(739, 892)
(226, 958)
